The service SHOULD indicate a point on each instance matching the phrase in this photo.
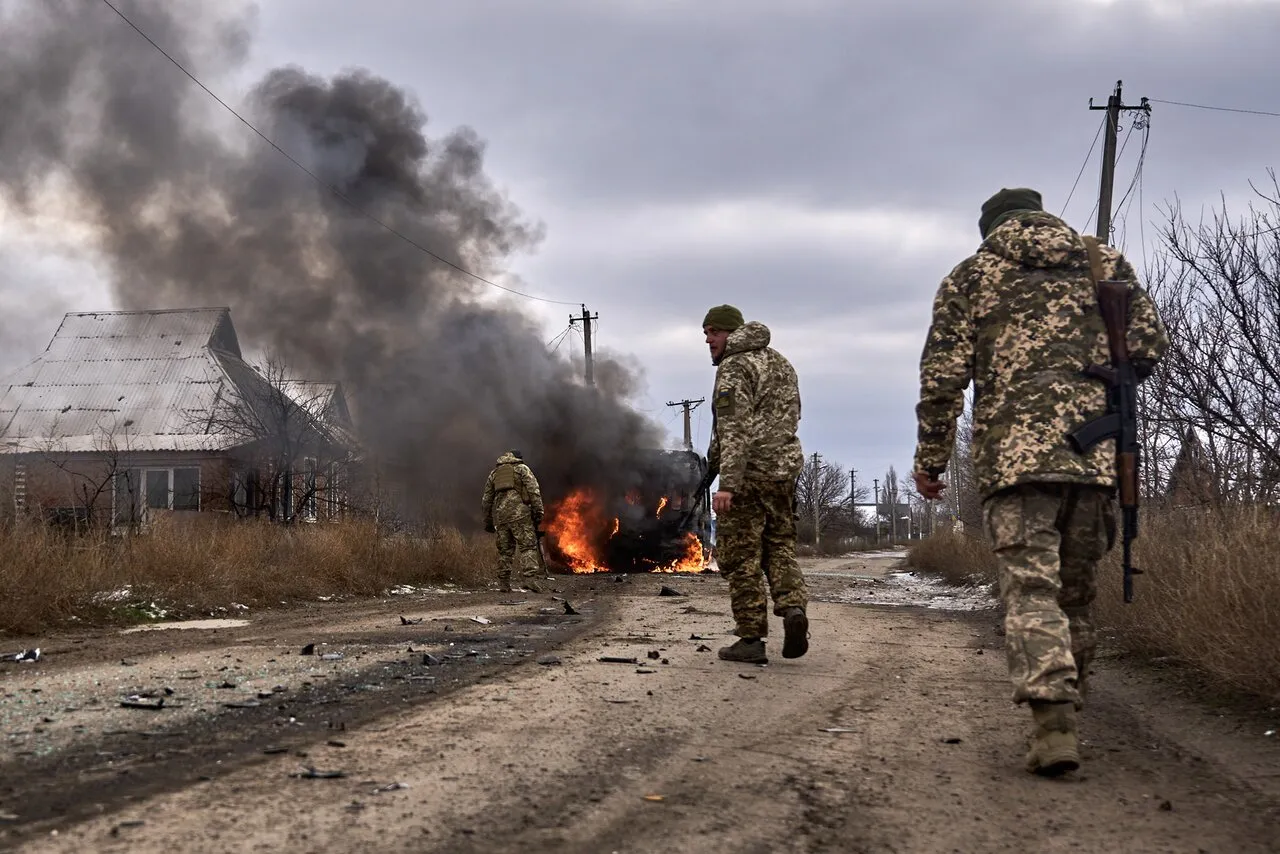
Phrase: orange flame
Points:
(577, 527)
(661, 504)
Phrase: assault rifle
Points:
(696, 503)
(1121, 419)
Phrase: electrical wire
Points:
(1218, 109)
(1083, 166)
(332, 189)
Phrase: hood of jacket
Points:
(508, 459)
(1034, 239)
(750, 336)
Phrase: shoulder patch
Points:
(724, 402)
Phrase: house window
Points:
(168, 489)
(127, 498)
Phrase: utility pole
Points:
(689, 406)
(1115, 106)
(586, 319)
(876, 481)
(815, 500)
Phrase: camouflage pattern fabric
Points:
(508, 506)
(1019, 318)
(755, 543)
(514, 521)
(1048, 539)
(755, 412)
(517, 550)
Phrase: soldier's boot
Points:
(531, 585)
(795, 625)
(748, 651)
(1054, 748)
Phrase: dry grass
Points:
(47, 577)
(1209, 596)
(958, 558)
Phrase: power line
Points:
(336, 192)
(1083, 166)
(1218, 109)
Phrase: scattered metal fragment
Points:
(484, 621)
(654, 798)
(702, 647)
(271, 751)
(8, 816)
(617, 659)
(391, 787)
(607, 700)
(549, 660)
(331, 656)
(655, 654)
(838, 729)
(645, 670)
(309, 649)
(696, 637)
(569, 609)
(746, 676)
(515, 602)
(669, 591)
(429, 660)
(243, 704)
(951, 739)
(310, 773)
(28, 655)
(333, 742)
(405, 621)
(125, 662)
(1166, 806)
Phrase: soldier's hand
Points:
(721, 501)
(928, 486)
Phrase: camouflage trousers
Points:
(755, 544)
(1048, 538)
(517, 549)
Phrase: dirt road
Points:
(894, 734)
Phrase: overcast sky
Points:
(819, 163)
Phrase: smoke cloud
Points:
(189, 209)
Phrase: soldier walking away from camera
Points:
(1020, 319)
(513, 510)
(755, 450)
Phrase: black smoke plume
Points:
(189, 208)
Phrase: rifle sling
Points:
(1095, 258)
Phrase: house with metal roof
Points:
(135, 414)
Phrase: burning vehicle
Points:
(662, 523)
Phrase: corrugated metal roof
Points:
(142, 380)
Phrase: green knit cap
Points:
(1005, 204)
(726, 318)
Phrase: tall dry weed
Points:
(958, 558)
(47, 577)
(1209, 595)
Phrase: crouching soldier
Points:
(513, 511)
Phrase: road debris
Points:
(333, 742)
(654, 798)
(429, 660)
(272, 751)
(569, 609)
(669, 591)
(515, 602)
(137, 701)
(951, 739)
(405, 621)
(309, 649)
(549, 660)
(310, 773)
(484, 621)
(655, 654)
(391, 787)
(28, 655)
(243, 704)
(746, 676)
(645, 670)
(838, 729)
(702, 647)
(617, 659)
(331, 656)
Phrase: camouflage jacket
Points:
(520, 502)
(755, 412)
(1020, 319)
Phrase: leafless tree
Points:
(291, 456)
(1217, 286)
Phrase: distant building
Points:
(131, 415)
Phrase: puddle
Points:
(909, 589)
(187, 624)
